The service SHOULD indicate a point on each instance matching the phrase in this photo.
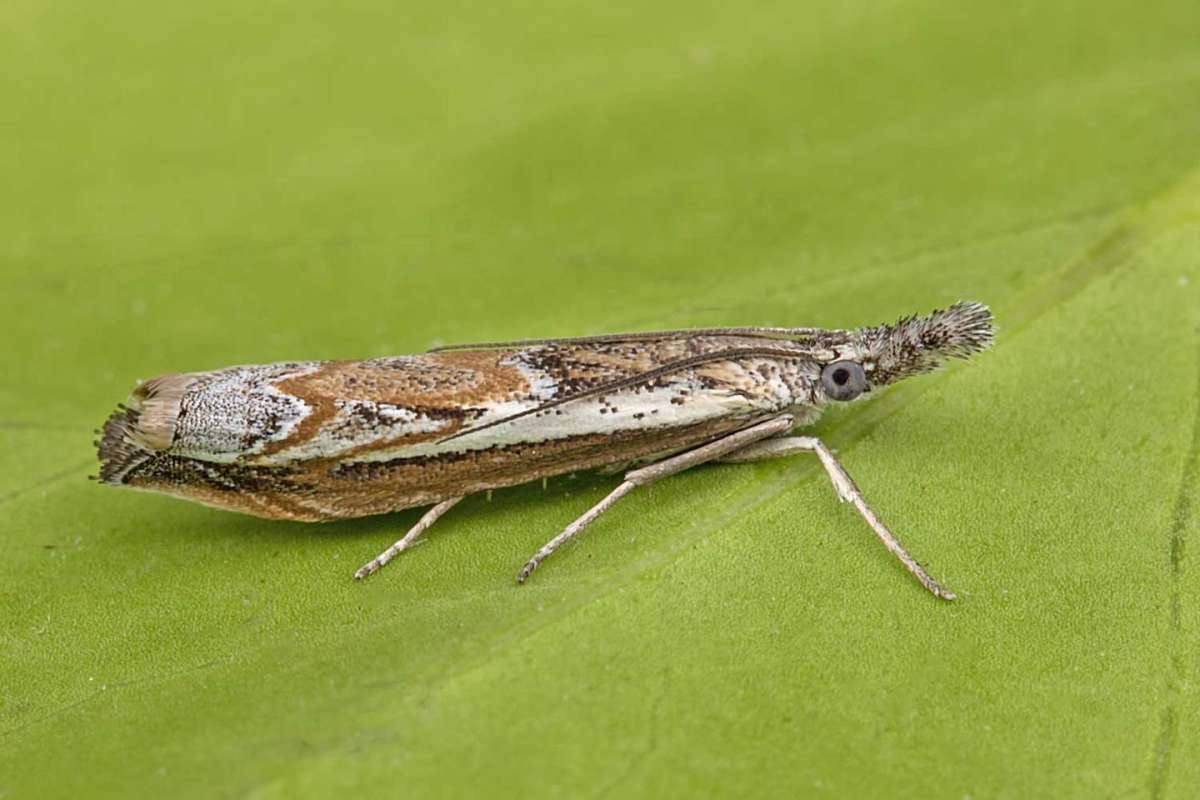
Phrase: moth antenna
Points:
(617, 338)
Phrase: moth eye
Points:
(843, 380)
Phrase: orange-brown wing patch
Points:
(447, 386)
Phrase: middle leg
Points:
(656, 471)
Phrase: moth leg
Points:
(778, 447)
(847, 491)
(430, 517)
(656, 471)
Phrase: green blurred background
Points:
(191, 186)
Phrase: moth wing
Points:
(418, 404)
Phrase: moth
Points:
(327, 440)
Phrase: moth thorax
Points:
(156, 405)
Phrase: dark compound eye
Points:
(843, 380)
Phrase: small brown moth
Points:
(325, 440)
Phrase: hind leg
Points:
(423, 524)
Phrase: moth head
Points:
(917, 344)
(869, 358)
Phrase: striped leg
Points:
(656, 471)
(430, 517)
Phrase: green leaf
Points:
(191, 186)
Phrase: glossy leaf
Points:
(192, 186)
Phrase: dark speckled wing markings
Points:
(322, 440)
(642, 378)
